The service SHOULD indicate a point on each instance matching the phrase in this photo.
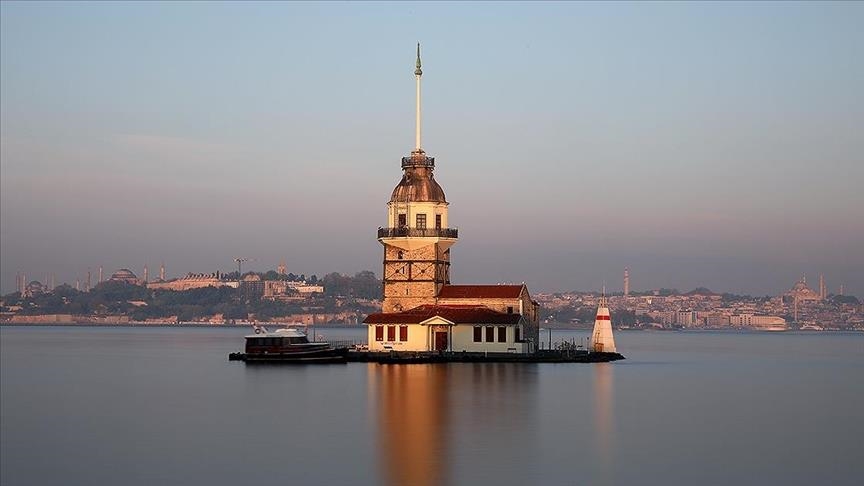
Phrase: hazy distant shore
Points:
(553, 326)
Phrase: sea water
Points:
(143, 406)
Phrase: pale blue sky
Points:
(715, 144)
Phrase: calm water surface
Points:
(106, 406)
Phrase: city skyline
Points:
(608, 139)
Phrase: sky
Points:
(698, 144)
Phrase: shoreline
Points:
(336, 325)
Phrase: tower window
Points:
(478, 334)
(403, 220)
(421, 221)
(490, 334)
(379, 333)
(502, 334)
(400, 255)
(391, 333)
(437, 221)
(403, 333)
(509, 309)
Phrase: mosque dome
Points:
(123, 275)
(802, 292)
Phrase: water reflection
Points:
(412, 422)
(435, 423)
(604, 420)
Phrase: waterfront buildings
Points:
(421, 310)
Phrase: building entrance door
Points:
(440, 341)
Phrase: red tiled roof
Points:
(457, 314)
(480, 291)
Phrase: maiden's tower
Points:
(422, 310)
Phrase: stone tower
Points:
(417, 238)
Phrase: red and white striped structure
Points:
(602, 340)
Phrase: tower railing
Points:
(405, 232)
(415, 161)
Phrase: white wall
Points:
(461, 339)
(417, 339)
(412, 209)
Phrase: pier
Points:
(543, 356)
(425, 357)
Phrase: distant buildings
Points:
(801, 293)
(123, 275)
(626, 282)
(287, 290)
(193, 281)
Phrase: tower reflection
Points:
(433, 420)
(412, 423)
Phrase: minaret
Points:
(87, 288)
(162, 272)
(146, 276)
(416, 239)
(822, 292)
(626, 282)
(602, 340)
(100, 273)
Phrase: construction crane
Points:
(239, 262)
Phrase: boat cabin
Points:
(281, 341)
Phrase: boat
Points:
(812, 327)
(287, 345)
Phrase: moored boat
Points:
(288, 345)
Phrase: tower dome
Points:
(418, 184)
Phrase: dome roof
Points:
(123, 275)
(418, 184)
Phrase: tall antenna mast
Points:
(417, 74)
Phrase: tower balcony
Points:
(418, 161)
(406, 232)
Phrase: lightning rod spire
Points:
(417, 74)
